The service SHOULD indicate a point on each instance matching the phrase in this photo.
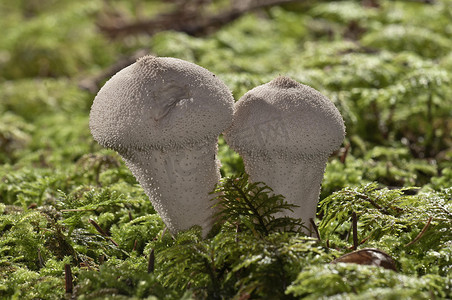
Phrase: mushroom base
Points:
(298, 180)
(179, 184)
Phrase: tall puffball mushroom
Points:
(163, 116)
(285, 131)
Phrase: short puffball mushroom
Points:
(163, 116)
(285, 131)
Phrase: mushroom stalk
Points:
(164, 116)
(301, 184)
(175, 180)
(285, 132)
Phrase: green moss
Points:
(409, 38)
(34, 99)
(55, 42)
(349, 281)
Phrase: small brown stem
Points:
(345, 153)
(116, 244)
(40, 259)
(374, 203)
(316, 229)
(360, 243)
(102, 232)
(151, 262)
(68, 278)
(98, 228)
(365, 239)
(355, 230)
(417, 238)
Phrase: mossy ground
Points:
(64, 200)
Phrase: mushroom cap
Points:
(285, 118)
(160, 103)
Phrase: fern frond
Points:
(254, 205)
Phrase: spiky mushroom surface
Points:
(163, 116)
(285, 132)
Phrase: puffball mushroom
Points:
(285, 131)
(163, 116)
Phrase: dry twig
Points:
(316, 229)
(68, 278)
(355, 230)
(102, 232)
(151, 262)
(190, 21)
(417, 238)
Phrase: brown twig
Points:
(151, 262)
(361, 242)
(98, 228)
(365, 239)
(417, 238)
(345, 153)
(189, 21)
(68, 278)
(113, 241)
(102, 232)
(41, 259)
(355, 230)
(316, 229)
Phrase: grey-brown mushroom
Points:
(285, 131)
(164, 116)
